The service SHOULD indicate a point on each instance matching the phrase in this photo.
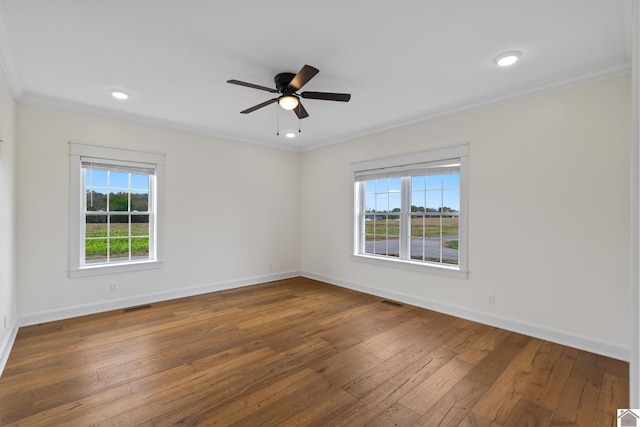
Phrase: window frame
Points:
(77, 200)
(402, 163)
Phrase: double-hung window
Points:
(411, 210)
(114, 209)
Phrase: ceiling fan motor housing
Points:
(282, 81)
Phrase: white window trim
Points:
(77, 199)
(401, 161)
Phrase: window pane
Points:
(434, 182)
(96, 199)
(96, 226)
(418, 182)
(451, 200)
(95, 250)
(434, 201)
(432, 227)
(139, 247)
(382, 202)
(393, 226)
(450, 252)
(450, 236)
(96, 231)
(118, 201)
(119, 249)
(140, 201)
(395, 184)
(382, 185)
(450, 227)
(416, 248)
(370, 203)
(139, 225)
(119, 226)
(96, 178)
(370, 187)
(118, 180)
(417, 201)
(369, 227)
(451, 180)
(394, 202)
(139, 183)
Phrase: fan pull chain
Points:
(277, 121)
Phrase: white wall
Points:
(231, 214)
(548, 219)
(8, 313)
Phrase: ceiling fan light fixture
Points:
(288, 102)
(508, 58)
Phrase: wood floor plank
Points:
(426, 394)
(526, 413)
(395, 415)
(329, 402)
(504, 394)
(299, 352)
(578, 403)
(552, 372)
(415, 359)
(454, 406)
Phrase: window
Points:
(114, 209)
(410, 210)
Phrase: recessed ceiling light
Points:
(508, 58)
(118, 94)
(290, 134)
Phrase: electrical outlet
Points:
(491, 299)
(5, 320)
(113, 287)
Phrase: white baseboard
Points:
(83, 310)
(6, 346)
(549, 334)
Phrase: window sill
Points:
(412, 265)
(114, 268)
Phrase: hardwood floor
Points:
(299, 352)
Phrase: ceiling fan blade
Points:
(300, 111)
(304, 75)
(251, 85)
(257, 107)
(327, 96)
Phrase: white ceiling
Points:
(402, 61)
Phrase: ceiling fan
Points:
(287, 84)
